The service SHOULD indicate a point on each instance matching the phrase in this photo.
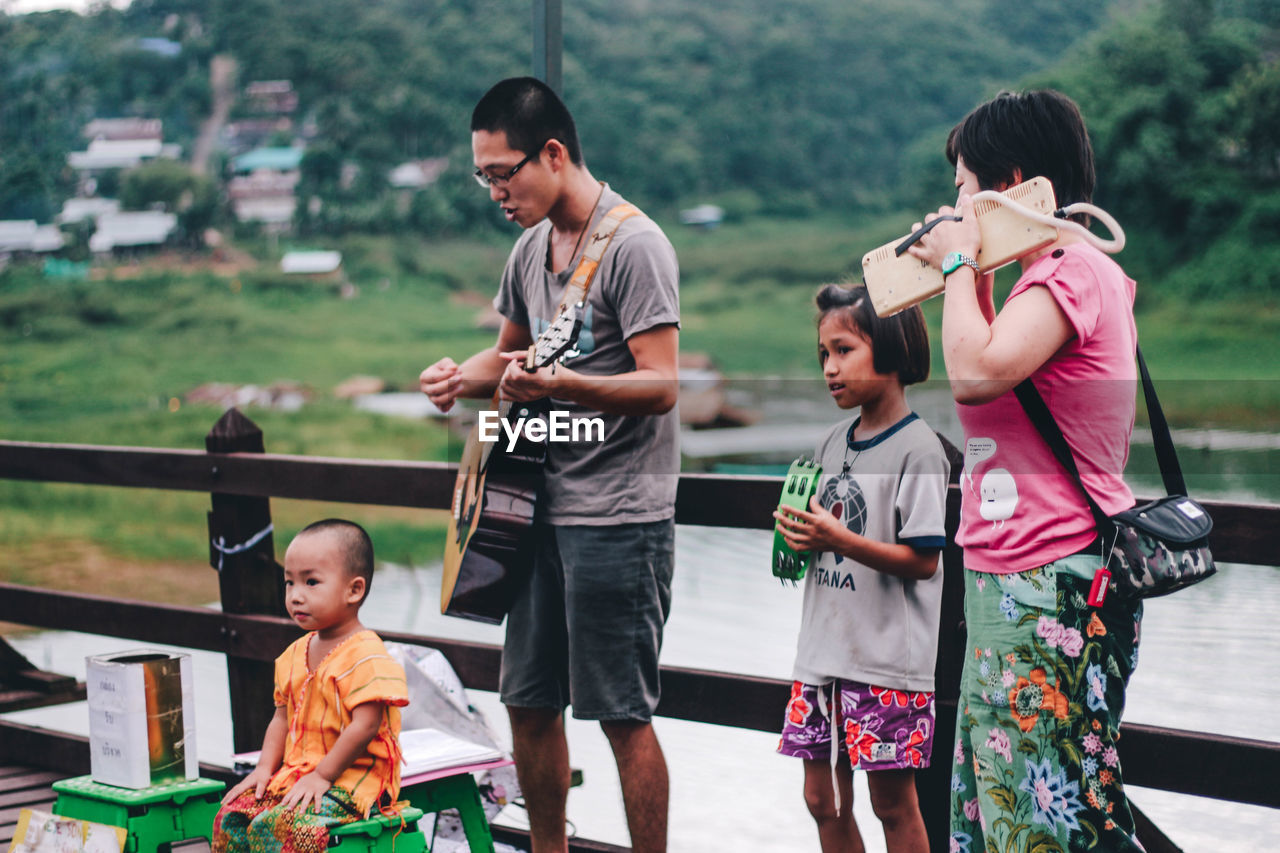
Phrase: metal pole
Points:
(548, 42)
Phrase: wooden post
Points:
(242, 549)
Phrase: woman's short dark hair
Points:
(1037, 133)
(530, 113)
(899, 343)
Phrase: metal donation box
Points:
(141, 719)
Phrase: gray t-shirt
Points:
(631, 476)
(859, 624)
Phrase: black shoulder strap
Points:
(1166, 456)
(1034, 405)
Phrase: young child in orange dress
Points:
(331, 754)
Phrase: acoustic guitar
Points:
(487, 554)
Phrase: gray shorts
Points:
(587, 630)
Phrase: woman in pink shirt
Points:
(1043, 687)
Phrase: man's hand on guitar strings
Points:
(522, 385)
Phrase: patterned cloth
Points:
(320, 703)
(1036, 767)
(882, 728)
(250, 825)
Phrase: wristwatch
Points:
(954, 260)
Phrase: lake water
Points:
(1210, 661)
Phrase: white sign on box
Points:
(141, 718)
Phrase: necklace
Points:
(863, 444)
(848, 443)
(848, 463)
(583, 233)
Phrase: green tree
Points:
(177, 188)
(157, 182)
(1253, 108)
(1184, 112)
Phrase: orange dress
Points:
(319, 703)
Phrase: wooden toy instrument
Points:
(1013, 224)
(800, 484)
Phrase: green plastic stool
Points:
(380, 834)
(155, 818)
(459, 792)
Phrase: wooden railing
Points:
(251, 629)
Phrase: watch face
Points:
(951, 262)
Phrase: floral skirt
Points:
(1036, 767)
(250, 825)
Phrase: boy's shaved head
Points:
(354, 542)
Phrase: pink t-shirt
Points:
(1021, 509)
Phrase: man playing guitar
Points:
(587, 630)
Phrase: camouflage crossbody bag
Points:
(1158, 547)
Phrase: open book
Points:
(428, 749)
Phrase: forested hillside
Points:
(772, 107)
(798, 103)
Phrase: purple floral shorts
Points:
(884, 729)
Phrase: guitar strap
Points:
(576, 290)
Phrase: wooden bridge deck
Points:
(21, 788)
(24, 686)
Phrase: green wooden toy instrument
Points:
(800, 484)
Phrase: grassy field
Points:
(111, 360)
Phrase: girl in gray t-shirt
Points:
(869, 626)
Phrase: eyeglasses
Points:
(486, 180)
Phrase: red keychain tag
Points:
(1098, 592)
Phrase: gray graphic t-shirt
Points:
(858, 624)
(631, 476)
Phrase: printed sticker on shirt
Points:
(976, 451)
(999, 495)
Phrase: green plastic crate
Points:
(154, 818)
